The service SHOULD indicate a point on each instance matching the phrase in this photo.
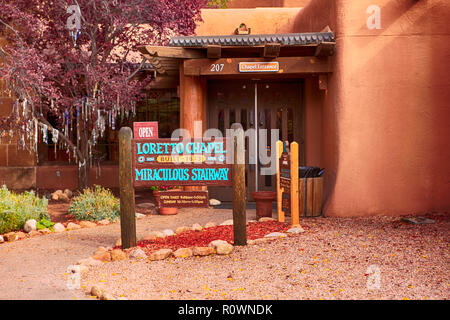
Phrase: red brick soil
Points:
(203, 238)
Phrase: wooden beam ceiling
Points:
(271, 50)
(230, 66)
(172, 52)
(213, 51)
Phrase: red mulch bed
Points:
(203, 238)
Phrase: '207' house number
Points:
(217, 67)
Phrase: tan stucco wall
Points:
(386, 113)
(260, 20)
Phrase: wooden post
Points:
(239, 192)
(294, 183)
(127, 208)
(280, 211)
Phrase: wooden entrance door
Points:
(257, 105)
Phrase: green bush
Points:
(95, 204)
(16, 209)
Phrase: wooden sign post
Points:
(287, 182)
(294, 183)
(239, 206)
(127, 205)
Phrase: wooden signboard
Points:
(171, 162)
(183, 199)
(150, 162)
(287, 182)
(145, 130)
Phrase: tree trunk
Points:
(83, 166)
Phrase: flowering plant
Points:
(163, 188)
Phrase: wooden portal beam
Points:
(325, 49)
(272, 50)
(163, 82)
(172, 52)
(230, 66)
(214, 51)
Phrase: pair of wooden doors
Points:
(255, 105)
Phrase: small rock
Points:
(68, 193)
(295, 230)
(20, 235)
(160, 254)
(87, 224)
(30, 225)
(203, 251)
(55, 197)
(63, 197)
(10, 236)
(196, 227)
(251, 221)
(146, 205)
(102, 256)
(117, 255)
(221, 246)
(275, 234)
(45, 231)
(58, 192)
(210, 224)
(168, 232)
(107, 296)
(104, 222)
(214, 202)
(182, 229)
(262, 240)
(33, 233)
(227, 222)
(95, 292)
(183, 253)
(137, 253)
(153, 235)
(1, 239)
(265, 219)
(139, 215)
(59, 227)
(73, 226)
(89, 262)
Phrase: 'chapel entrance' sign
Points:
(272, 66)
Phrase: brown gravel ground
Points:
(329, 261)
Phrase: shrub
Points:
(16, 209)
(95, 204)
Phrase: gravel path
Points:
(335, 259)
(35, 268)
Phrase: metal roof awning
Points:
(287, 39)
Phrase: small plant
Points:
(95, 204)
(44, 224)
(16, 209)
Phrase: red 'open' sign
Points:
(145, 130)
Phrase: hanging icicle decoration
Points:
(45, 133)
(55, 139)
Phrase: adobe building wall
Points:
(260, 20)
(386, 112)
